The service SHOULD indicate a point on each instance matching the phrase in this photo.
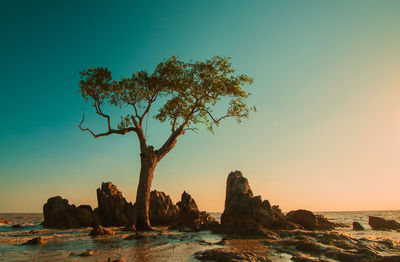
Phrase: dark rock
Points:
(113, 208)
(129, 228)
(222, 242)
(17, 226)
(162, 211)
(305, 218)
(59, 214)
(101, 231)
(36, 241)
(379, 223)
(224, 254)
(87, 253)
(5, 221)
(387, 259)
(357, 226)
(191, 217)
(248, 214)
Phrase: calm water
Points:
(64, 242)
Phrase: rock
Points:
(303, 217)
(101, 231)
(248, 214)
(357, 226)
(113, 208)
(36, 241)
(16, 226)
(4, 221)
(309, 221)
(378, 223)
(225, 254)
(87, 253)
(162, 211)
(129, 228)
(191, 217)
(58, 213)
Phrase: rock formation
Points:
(379, 223)
(248, 214)
(309, 221)
(162, 211)
(191, 217)
(59, 214)
(357, 226)
(36, 241)
(113, 209)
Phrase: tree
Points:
(186, 95)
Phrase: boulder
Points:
(58, 213)
(4, 221)
(357, 226)
(101, 231)
(378, 223)
(248, 214)
(191, 217)
(308, 220)
(16, 226)
(113, 209)
(162, 211)
(36, 241)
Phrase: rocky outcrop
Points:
(58, 213)
(162, 211)
(308, 220)
(101, 231)
(4, 221)
(191, 217)
(378, 223)
(248, 214)
(357, 226)
(225, 254)
(113, 209)
(36, 241)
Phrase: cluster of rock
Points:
(58, 213)
(114, 210)
(5, 221)
(248, 214)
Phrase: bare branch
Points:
(110, 130)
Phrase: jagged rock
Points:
(309, 221)
(248, 214)
(191, 217)
(357, 226)
(162, 211)
(16, 226)
(379, 223)
(59, 214)
(113, 208)
(5, 221)
(225, 254)
(101, 231)
(36, 241)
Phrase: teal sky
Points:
(326, 85)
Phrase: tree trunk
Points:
(148, 164)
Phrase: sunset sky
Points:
(326, 136)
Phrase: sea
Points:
(68, 245)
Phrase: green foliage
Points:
(188, 92)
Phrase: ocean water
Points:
(65, 245)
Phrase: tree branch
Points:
(109, 132)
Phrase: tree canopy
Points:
(187, 92)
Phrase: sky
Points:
(326, 136)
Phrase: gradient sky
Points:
(326, 84)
